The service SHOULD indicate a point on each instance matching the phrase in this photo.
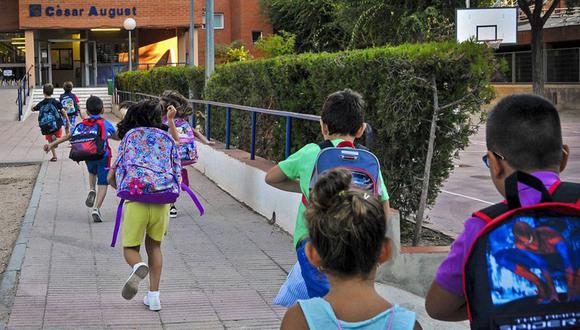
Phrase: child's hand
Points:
(46, 148)
(210, 143)
(171, 112)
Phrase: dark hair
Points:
(525, 129)
(181, 104)
(67, 86)
(346, 227)
(47, 89)
(94, 105)
(126, 104)
(343, 112)
(146, 113)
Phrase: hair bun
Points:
(328, 188)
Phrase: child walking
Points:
(51, 118)
(98, 169)
(187, 134)
(70, 103)
(145, 221)
(347, 243)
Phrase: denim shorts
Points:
(100, 168)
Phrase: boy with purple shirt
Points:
(522, 133)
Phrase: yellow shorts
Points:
(141, 218)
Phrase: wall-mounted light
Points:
(105, 29)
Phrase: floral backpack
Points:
(187, 146)
(148, 170)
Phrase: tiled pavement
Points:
(220, 271)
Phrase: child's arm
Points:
(111, 177)
(171, 112)
(444, 305)
(277, 179)
(56, 142)
(294, 319)
(202, 137)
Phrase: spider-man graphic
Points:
(545, 249)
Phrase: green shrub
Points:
(279, 44)
(399, 104)
(391, 79)
(157, 80)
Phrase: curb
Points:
(12, 272)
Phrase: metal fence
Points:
(23, 94)
(209, 106)
(561, 65)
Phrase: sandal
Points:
(53, 159)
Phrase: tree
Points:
(279, 44)
(533, 10)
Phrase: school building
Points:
(84, 41)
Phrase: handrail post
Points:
(19, 103)
(288, 144)
(193, 119)
(253, 142)
(228, 126)
(208, 122)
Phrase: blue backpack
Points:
(363, 165)
(69, 104)
(49, 119)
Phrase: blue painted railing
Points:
(209, 105)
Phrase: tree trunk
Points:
(428, 161)
(538, 76)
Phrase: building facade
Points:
(84, 41)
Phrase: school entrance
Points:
(84, 57)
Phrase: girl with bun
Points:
(347, 243)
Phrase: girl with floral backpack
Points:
(187, 134)
(147, 174)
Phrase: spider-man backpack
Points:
(523, 269)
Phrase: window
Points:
(218, 21)
(256, 35)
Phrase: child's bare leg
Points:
(53, 151)
(92, 181)
(155, 258)
(101, 194)
(132, 255)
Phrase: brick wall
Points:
(8, 15)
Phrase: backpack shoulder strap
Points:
(489, 213)
(194, 198)
(325, 144)
(567, 192)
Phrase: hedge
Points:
(159, 79)
(394, 83)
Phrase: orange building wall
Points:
(8, 15)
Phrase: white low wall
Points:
(246, 184)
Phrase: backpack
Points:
(523, 269)
(187, 146)
(88, 140)
(363, 165)
(49, 119)
(148, 170)
(69, 104)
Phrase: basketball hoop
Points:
(494, 44)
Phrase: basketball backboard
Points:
(487, 24)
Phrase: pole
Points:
(209, 40)
(191, 33)
(130, 53)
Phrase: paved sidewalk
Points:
(221, 271)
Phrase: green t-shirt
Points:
(299, 166)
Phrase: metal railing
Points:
(23, 93)
(121, 96)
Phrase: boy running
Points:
(70, 103)
(51, 115)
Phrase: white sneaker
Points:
(131, 286)
(152, 300)
(96, 214)
(173, 212)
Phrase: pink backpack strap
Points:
(117, 222)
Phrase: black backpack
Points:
(49, 119)
(523, 269)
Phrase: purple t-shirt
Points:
(450, 274)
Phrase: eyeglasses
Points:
(485, 158)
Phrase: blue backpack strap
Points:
(194, 198)
(117, 222)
